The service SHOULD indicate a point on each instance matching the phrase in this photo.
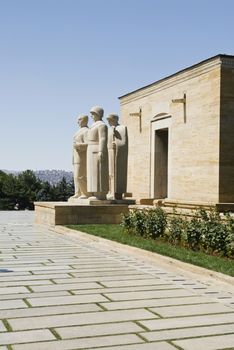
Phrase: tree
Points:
(28, 187)
(63, 190)
(46, 193)
(8, 191)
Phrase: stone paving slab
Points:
(209, 343)
(52, 271)
(68, 286)
(149, 294)
(80, 319)
(49, 310)
(149, 346)
(2, 327)
(172, 334)
(11, 290)
(12, 273)
(23, 263)
(108, 275)
(74, 291)
(128, 283)
(12, 278)
(146, 303)
(83, 343)
(27, 283)
(34, 295)
(44, 268)
(11, 304)
(26, 336)
(188, 310)
(123, 289)
(66, 300)
(192, 321)
(98, 330)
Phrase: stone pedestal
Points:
(92, 201)
(67, 213)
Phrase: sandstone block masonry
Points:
(181, 134)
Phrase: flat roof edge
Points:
(179, 72)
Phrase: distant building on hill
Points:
(53, 176)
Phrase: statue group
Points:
(100, 156)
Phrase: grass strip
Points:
(116, 233)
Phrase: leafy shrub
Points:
(206, 230)
(216, 232)
(139, 222)
(135, 222)
(127, 222)
(146, 223)
(214, 236)
(156, 222)
(230, 237)
(176, 230)
(194, 233)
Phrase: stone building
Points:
(181, 135)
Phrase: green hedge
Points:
(206, 231)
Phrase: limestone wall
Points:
(193, 164)
(226, 186)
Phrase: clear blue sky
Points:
(58, 58)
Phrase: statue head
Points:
(113, 119)
(82, 120)
(97, 113)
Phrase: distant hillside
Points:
(52, 176)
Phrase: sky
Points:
(58, 58)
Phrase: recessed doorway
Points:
(161, 163)
(160, 174)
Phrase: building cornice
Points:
(179, 77)
(228, 62)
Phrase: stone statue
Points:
(97, 156)
(118, 157)
(79, 158)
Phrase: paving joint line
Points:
(175, 345)
(55, 333)
(7, 325)
(27, 303)
(166, 261)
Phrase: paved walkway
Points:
(58, 292)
